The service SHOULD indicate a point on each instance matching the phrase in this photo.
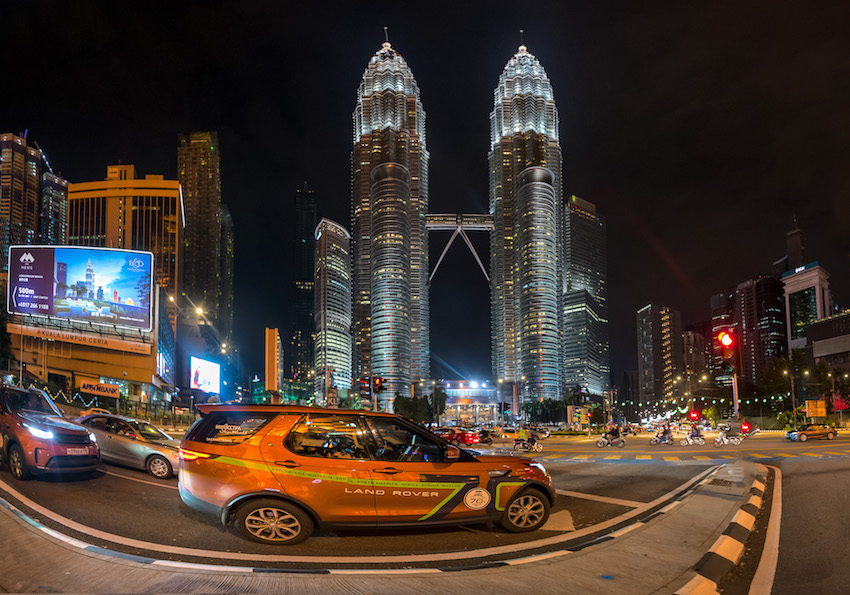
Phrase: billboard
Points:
(206, 375)
(94, 285)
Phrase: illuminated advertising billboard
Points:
(206, 375)
(94, 285)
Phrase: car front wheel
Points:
(18, 464)
(830, 436)
(159, 467)
(802, 438)
(273, 522)
(528, 511)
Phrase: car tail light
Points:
(192, 455)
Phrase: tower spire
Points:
(386, 35)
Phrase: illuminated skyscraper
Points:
(525, 201)
(301, 353)
(389, 203)
(660, 354)
(332, 310)
(199, 173)
(584, 295)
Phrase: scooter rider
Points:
(612, 433)
(666, 433)
(695, 433)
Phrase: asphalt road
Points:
(127, 510)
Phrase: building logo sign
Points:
(27, 258)
(103, 390)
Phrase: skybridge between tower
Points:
(459, 224)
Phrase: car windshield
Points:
(32, 400)
(149, 432)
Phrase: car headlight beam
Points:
(38, 432)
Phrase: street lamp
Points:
(793, 395)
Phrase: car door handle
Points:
(387, 471)
(288, 464)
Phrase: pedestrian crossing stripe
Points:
(810, 454)
(834, 453)
(581, 457)
(615, 457)
(782, 454)
(672, 459)
(726, 457)
(701, 458)
(551, 456)
(643, 457)
(757, 455)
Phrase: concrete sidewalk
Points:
(656, 555)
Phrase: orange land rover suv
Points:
(277, 471)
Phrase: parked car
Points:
(276, 472)
(134, 443)
(35, 438)
(94, 410)
(812, 431)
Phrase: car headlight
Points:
(539, 466)
(38, 433)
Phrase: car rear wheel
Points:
(528, 511)
(273, 521)
(18, 464)
(830, 436)
(159, 467)
(802, 438)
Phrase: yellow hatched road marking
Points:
(829, 452)
(726, 457)
(702, 458)
(782, 454)
(810, 454)
(758, 455)
(643, 457)
(615, 457)
(551, 456)
(581, 457)
(672, 459)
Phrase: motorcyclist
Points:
(612, 433)
(695, 433)
(666, 433)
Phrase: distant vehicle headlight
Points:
(38, 433)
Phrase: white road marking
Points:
(762, 583)
(150, 483)
(594, 497)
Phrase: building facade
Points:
(33, 200)
(206, 280)
(584, 298)
(759, 323)
(132, 213)
(389, 164)
(659, 339)
(525, 202)
(302, 348)
(333, 354)
(807, 299)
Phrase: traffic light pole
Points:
(735, 393)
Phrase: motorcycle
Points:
(521, 445)
(722, 440)
(485, 436)
(661, 439)
(619, 442)
(691, 440)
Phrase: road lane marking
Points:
(840, 454)
(150, 483)
(672, 459)
(615, 457)
(809, 454)
(701, 458)
(782, 454)
(581, 456)
(605, 499)
(758, 455)
(643, 457)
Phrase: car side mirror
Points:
(452, 453)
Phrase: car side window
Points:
(399, 442)
(331, 436)
(97, 423)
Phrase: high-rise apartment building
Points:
(807, 299)
(584, 298)
(131, 213)
(301, 352)
(759, 323)
(525, 201)
(389, 165)
(333, 357)
(199, 174)
(33, 200)
(659, 339)
(227, 254)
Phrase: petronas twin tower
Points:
(390, 243)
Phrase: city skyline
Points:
(698, 159)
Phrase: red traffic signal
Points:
(693, 415)
(378, 383)
(727, 344)
(746, 427)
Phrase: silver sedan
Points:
(134, 443)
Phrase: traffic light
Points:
(727, 345)
(365, 389)
(378, 384)
(746, 427)
(693, 415)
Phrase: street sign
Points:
(816, 408)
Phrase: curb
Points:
(729, 547)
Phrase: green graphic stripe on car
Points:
(499, 491)
(437, 508)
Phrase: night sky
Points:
(697, 128)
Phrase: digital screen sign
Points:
(94, 285)
(205, 375)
